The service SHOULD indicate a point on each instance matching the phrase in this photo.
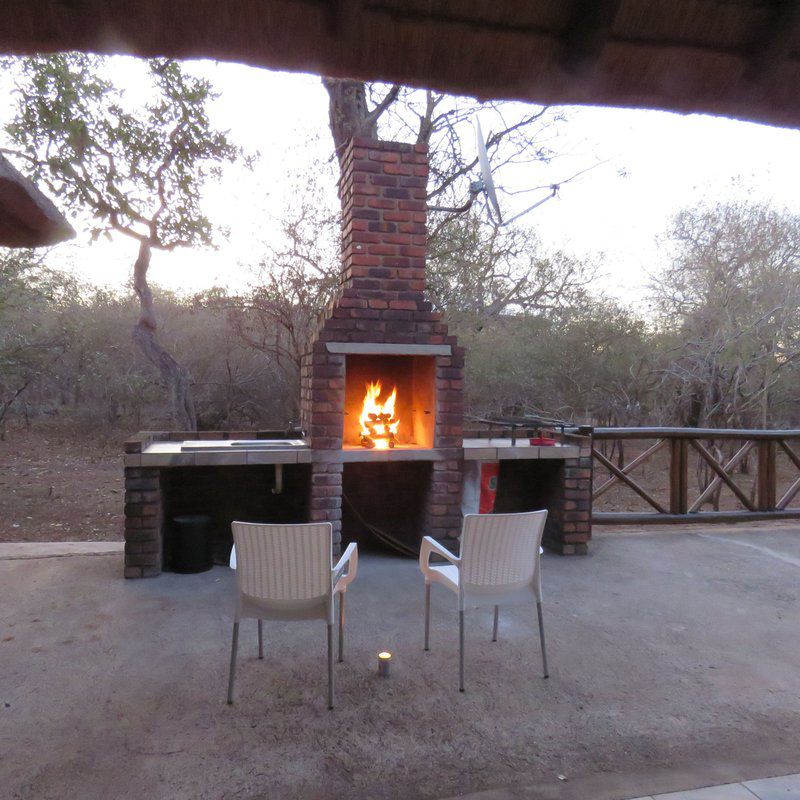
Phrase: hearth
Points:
(389, 401)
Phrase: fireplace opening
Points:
(384, 504)
(390, 401)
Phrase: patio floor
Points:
(674, 659)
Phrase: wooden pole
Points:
(678, 476)
(765, 497)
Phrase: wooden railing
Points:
(675, 503)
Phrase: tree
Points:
(585, 363)
(296, 276)
(517, 134)
(478, 271)
(30, 343)
(730, 300)
(137, 171)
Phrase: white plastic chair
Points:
(285, 572)
(499, 565)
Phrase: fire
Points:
(378, 421)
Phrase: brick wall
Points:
(143, 522)
(571, 504)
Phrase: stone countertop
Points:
(501, 449)
(170, 454)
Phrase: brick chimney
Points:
(381, 308)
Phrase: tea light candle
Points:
(384, 659)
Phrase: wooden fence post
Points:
(765, 499)
(678, 476)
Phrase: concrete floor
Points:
(675, 663)
(785, 787)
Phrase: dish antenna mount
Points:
(485, 185)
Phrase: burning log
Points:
(379, 424)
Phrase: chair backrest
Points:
(501, 549)
(283, 562)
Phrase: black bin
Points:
(192, 543)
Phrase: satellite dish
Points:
(485, 185)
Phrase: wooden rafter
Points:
(615, 470)
(726, 479)
(628, 468)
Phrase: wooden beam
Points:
(787, 497)
(629, 468)
(789, 452)
(678, 476)
(650, 518)
(717, 481)
(767, 477)
(585, 37)
(750, 434)
(773, 43)
(714, 464)
(795, 487)
(615, 470)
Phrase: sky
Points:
(650, 164)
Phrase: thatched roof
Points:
(739, 58)
(27, 217)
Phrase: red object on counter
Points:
(490, 471)
(543, 441)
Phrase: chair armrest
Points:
(348, 559)
(430, 546)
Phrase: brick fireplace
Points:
(381, 329)
(382, 409)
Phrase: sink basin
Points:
(242, 444)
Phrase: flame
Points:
(378, 421)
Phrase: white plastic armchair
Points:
(498, 565)
(285, 572)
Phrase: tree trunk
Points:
(348, 112)
(144, 336)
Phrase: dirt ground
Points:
(60, 484)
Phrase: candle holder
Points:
(384, 660)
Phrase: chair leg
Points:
(427, 616)
(460, 651)
(541, 637)
(330, 666)
(260, 639)
(232, 671)
(341, 626)
(496, 620)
